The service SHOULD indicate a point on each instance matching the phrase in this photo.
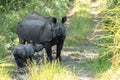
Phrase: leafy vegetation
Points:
(10, 16)
(81, 26)
(11, 12)
(108, 41)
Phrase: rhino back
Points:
(29, 50)
(36, 16)
(35, 30)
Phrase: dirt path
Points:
(73, 57)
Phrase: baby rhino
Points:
(22, 52)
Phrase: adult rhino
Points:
(43, 30)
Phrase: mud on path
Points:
(73, 57)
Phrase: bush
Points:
(106, 41)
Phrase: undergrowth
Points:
(13, 11)
(46, 71)
(80, 25)
(10, 16)
(54, 71)
(107, 63)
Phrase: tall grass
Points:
(54, 71)
(4, 74)
(107, 62)
(47, 71)
(111, 74)
(116, 55)
(110, 38)
(5, 67)
(108, 41)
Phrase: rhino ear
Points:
(64, 19)
(54, 20)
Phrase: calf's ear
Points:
(64, 19)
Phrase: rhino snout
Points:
(60, 33)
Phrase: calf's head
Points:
(19, 60)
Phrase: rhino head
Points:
(59, 29)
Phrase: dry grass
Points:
(53, 71)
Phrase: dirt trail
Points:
(72, 59)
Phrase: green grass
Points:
(47, 71)
(110, 25)
(80, 29)
(80, 25)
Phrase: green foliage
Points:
(110, 23)
(80, 25)
(6, 5)
(97, 65)
(2, 51)
(13, 11)
(104, 4)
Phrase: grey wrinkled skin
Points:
(42, 30)
(22, 52)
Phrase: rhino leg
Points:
(59, 48)
(31, 59)
(48, 49)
